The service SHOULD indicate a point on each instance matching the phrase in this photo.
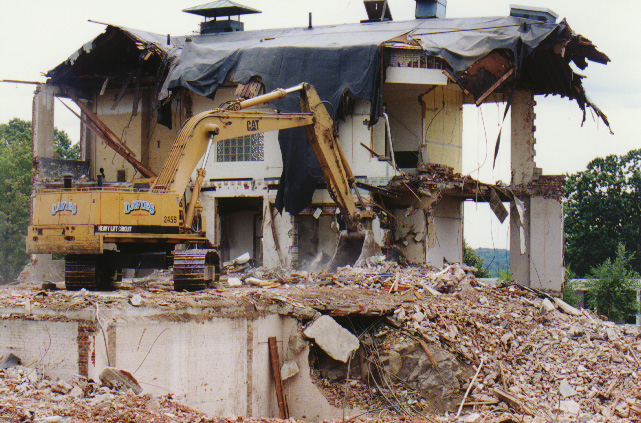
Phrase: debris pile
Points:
(536, 356)
(27, 396)
(401, 340)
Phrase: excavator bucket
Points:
(353, 248)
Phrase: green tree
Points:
(472, 259)
(602, 210)
(15, 189)
(612, 292)
(570, 288)
(63, 147)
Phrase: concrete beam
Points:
(42, 121)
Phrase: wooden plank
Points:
(283, 409)
(494, 86)
(513, 402)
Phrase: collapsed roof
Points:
(347, 61)
(336, 59)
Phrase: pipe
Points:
(265, 98)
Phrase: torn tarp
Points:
(347, 58)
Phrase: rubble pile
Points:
(400, 341)
(539, 358)
(26, 396)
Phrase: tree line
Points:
(15, 191)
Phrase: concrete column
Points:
(87, 137)
(546, 251)
(42, 121)
(522, 137)
(523, 171)
(540, 263)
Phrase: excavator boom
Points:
(102, 229)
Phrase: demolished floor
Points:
(419, 342)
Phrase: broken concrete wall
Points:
(353, 131)
(315, 238)
(53, 169)
(277, 231)
(219, 366)
(448, 232)
(216, 364)
(127, 127)
(443, 126)
(52, 346)
(410, 234)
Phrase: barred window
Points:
(249, 148)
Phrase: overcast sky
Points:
(37, 35)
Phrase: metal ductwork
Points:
(426, 9)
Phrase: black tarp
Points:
(336, 59)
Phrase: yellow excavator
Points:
(102, 229)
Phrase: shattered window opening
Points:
(412, 58)
(249, 148)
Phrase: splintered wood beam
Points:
(494, 86)
(107, 135)
(283, 409)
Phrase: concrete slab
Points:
(335, 340)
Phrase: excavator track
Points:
(88, 272)
(195, 269)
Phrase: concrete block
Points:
(296, 343)
(566, 389)
(570, 406)
(119, 379)
(567, 308)
(288, 369)
(335, 340)
(547, 306)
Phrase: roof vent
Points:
(534, 13)
(426, 9)
(217, 9)
(377, 10)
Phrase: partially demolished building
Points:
(397, 91)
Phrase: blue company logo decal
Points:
(63, 206)
(140, 205)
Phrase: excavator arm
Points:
(200, 132)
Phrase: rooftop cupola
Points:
(219, 9)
